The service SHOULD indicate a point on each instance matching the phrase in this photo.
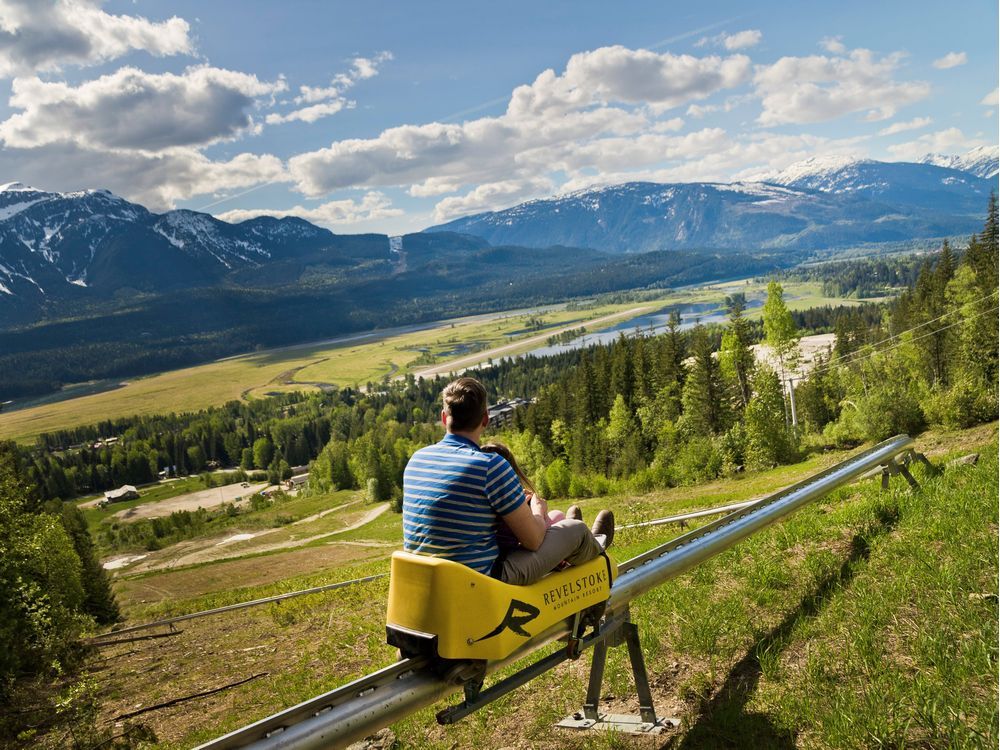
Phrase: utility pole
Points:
(791, 398)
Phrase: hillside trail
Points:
(215, 550)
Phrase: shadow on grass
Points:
(724, 722)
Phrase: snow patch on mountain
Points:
(983, 161)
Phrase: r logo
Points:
(513, 621)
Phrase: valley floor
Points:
(867, 619)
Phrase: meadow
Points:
(358, 360)
(866, 619)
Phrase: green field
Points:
(867, 619)
(356, 362)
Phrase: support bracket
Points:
(646, 723)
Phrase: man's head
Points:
(465, 403)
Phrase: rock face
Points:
(814, 205)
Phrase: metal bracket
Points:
(899, 466)
(591, 717)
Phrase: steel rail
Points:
(718, 511)
(360, 708)
(112, 635)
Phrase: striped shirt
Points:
(453, 496)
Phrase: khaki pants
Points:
(568, 540)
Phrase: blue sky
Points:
(392, 116)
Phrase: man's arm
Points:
(527, 521)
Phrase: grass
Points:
(348, 363)
(867, 619)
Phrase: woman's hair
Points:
(504, 451)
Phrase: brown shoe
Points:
(575, 513)
(604, 528)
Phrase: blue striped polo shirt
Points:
(453, 495)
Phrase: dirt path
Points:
(210, 498)
(473, 359)
(215, 549)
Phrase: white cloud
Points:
(492, 196)
(949, 141)
(991, 99)
(42, 36)
(739, 40)
(901, 127)
(311, 113)
(818, 88)
(373, 205)
(156, 181)
(134, 110)
(611, 92)
(618, 74)
(328, 100)
(833, 44)
(951, 60)
(433, 186)
(742, 39)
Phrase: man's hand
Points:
(527, 522)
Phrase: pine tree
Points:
(735, 355)
(703, 396)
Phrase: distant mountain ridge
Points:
(820, 203)
(983, 161)
(59, 244)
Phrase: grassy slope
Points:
(347, 364)
(868, 619)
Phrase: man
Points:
(454, 497)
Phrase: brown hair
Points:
(504, 451)
(465, 403)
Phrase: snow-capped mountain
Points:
(819, 204)
(902, 185)
(983, 161)
(54, 243)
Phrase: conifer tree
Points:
(702, 398)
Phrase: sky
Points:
(394, 116)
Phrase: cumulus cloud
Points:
(627, 76)
(155, 180)
(373, 205)
(901, 127)
(991, 99)
(611, 92)
(817, 88)
(949, 141)
(742, 39)
(492, 196)
(47, 36)
(951, 60)
(134, 110)
(324, 101)
(833, 44)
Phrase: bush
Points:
(696, 461)
(965, 404)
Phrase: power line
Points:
(851, 355)
(875, 353)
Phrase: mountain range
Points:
(817, 204)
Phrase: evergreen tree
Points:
(735, 355)
(704, 405)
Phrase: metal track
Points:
(111, 636)
(357, 709)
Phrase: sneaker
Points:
(575, 513)
(604, 528)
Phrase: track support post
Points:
(591, 718)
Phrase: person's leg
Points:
(568, 540)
